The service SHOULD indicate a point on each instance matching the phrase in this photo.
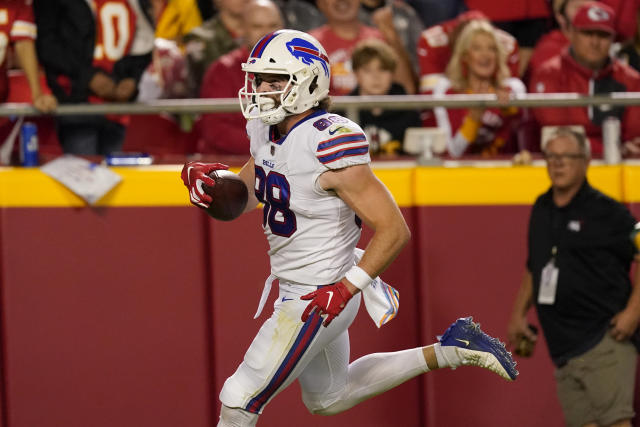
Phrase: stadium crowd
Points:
(102, 51)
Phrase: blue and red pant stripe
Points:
(305, 337)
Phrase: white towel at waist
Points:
(381, 300)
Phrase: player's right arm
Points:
(248, 175)
(359, 188)
(363, 192)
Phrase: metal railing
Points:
(350, 104)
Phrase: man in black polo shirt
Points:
(581, 246)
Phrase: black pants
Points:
(90, 135)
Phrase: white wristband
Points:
(358, 277)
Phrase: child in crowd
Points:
(374, 63)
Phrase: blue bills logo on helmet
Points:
(307, 53)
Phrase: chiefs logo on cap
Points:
(594, 16)
(597, 14)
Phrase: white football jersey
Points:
(311, 232)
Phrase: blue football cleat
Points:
(475, 348)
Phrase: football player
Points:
(311, 170)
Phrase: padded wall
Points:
(135, 311)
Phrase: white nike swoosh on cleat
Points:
(465, 342)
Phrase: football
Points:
(229, 195)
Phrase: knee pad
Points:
(236, 417)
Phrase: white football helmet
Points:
(294, 54)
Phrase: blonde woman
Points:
(479, 66)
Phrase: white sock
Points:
(376, 373)
(447, 356)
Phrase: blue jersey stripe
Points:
(325, 145)
(348, 152)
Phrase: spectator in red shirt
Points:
(436, 44)
(344, 31)
(478, 66)
(19, 29)
(225, 133)
(435, 47)
(586, 67)
(555, 41)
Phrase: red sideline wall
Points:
(135, 311)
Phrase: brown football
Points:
(229, 195)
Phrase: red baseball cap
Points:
(594, 15)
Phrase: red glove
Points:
(330, 300)
(194, 175)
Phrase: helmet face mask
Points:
(296, 55)
(268, 106)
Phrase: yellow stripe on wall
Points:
(28, 187)
(507, 185)
(479, 186)
(140, 186)
(631, 180)
(400, 184)
(410, 186)
(147, 188)
(608, 179)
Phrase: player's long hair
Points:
(457, 69)
(325, 104)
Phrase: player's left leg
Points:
(331, 385)
(328, 388)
